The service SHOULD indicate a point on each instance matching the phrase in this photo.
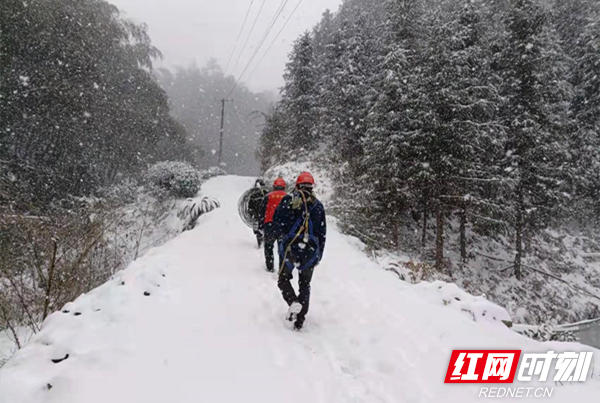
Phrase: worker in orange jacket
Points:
(267, 211)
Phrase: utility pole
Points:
(223, 101)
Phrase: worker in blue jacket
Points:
(300, 226)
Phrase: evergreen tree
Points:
(439, 106)
(463, 138)
(585, 139)
(322, 33)
(346, 86)
(79, 105)
(393, 120)
(270, 148)
(575, 22)
(536, 111)
(298, 98)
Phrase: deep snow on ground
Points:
(211, 330)
(7, 342)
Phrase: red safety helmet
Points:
(305, 178)
(279, 183)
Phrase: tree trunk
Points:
(10, 326)
(463, 235)
(596, 197)
(424, 233)
(519, 238)
(396, 233)
(439, 241)
(50, 280)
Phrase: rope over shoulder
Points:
(303, 225)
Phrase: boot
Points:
(293, 311)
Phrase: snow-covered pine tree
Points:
(330, 70)
(298, 99)
(464, 99)
(571, 19)
(537, 95)
(585, 136)
(348, 68)
(393, 119)
(322, 34)
(270, 149)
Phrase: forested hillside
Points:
(466, 132)
(195, 95)
(82, 117)
(79, 104)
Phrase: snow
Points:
(575, 325)
(7, 342)
(198, 319)
(478, 308)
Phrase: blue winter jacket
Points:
(286, 217)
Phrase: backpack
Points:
(300, 249)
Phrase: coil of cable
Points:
(243, 208)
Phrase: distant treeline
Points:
(195, 94)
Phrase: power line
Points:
(262, 41)
(275, 40)
(239, 35)
(248, 37)
(266, 34)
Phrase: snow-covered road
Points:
(199, 320)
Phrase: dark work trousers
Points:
(269, 245)
(259, 237)
(289, 295)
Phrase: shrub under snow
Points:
(191, 210)
(178, 179)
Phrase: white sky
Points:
(197, 30)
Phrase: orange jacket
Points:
(270, 204)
